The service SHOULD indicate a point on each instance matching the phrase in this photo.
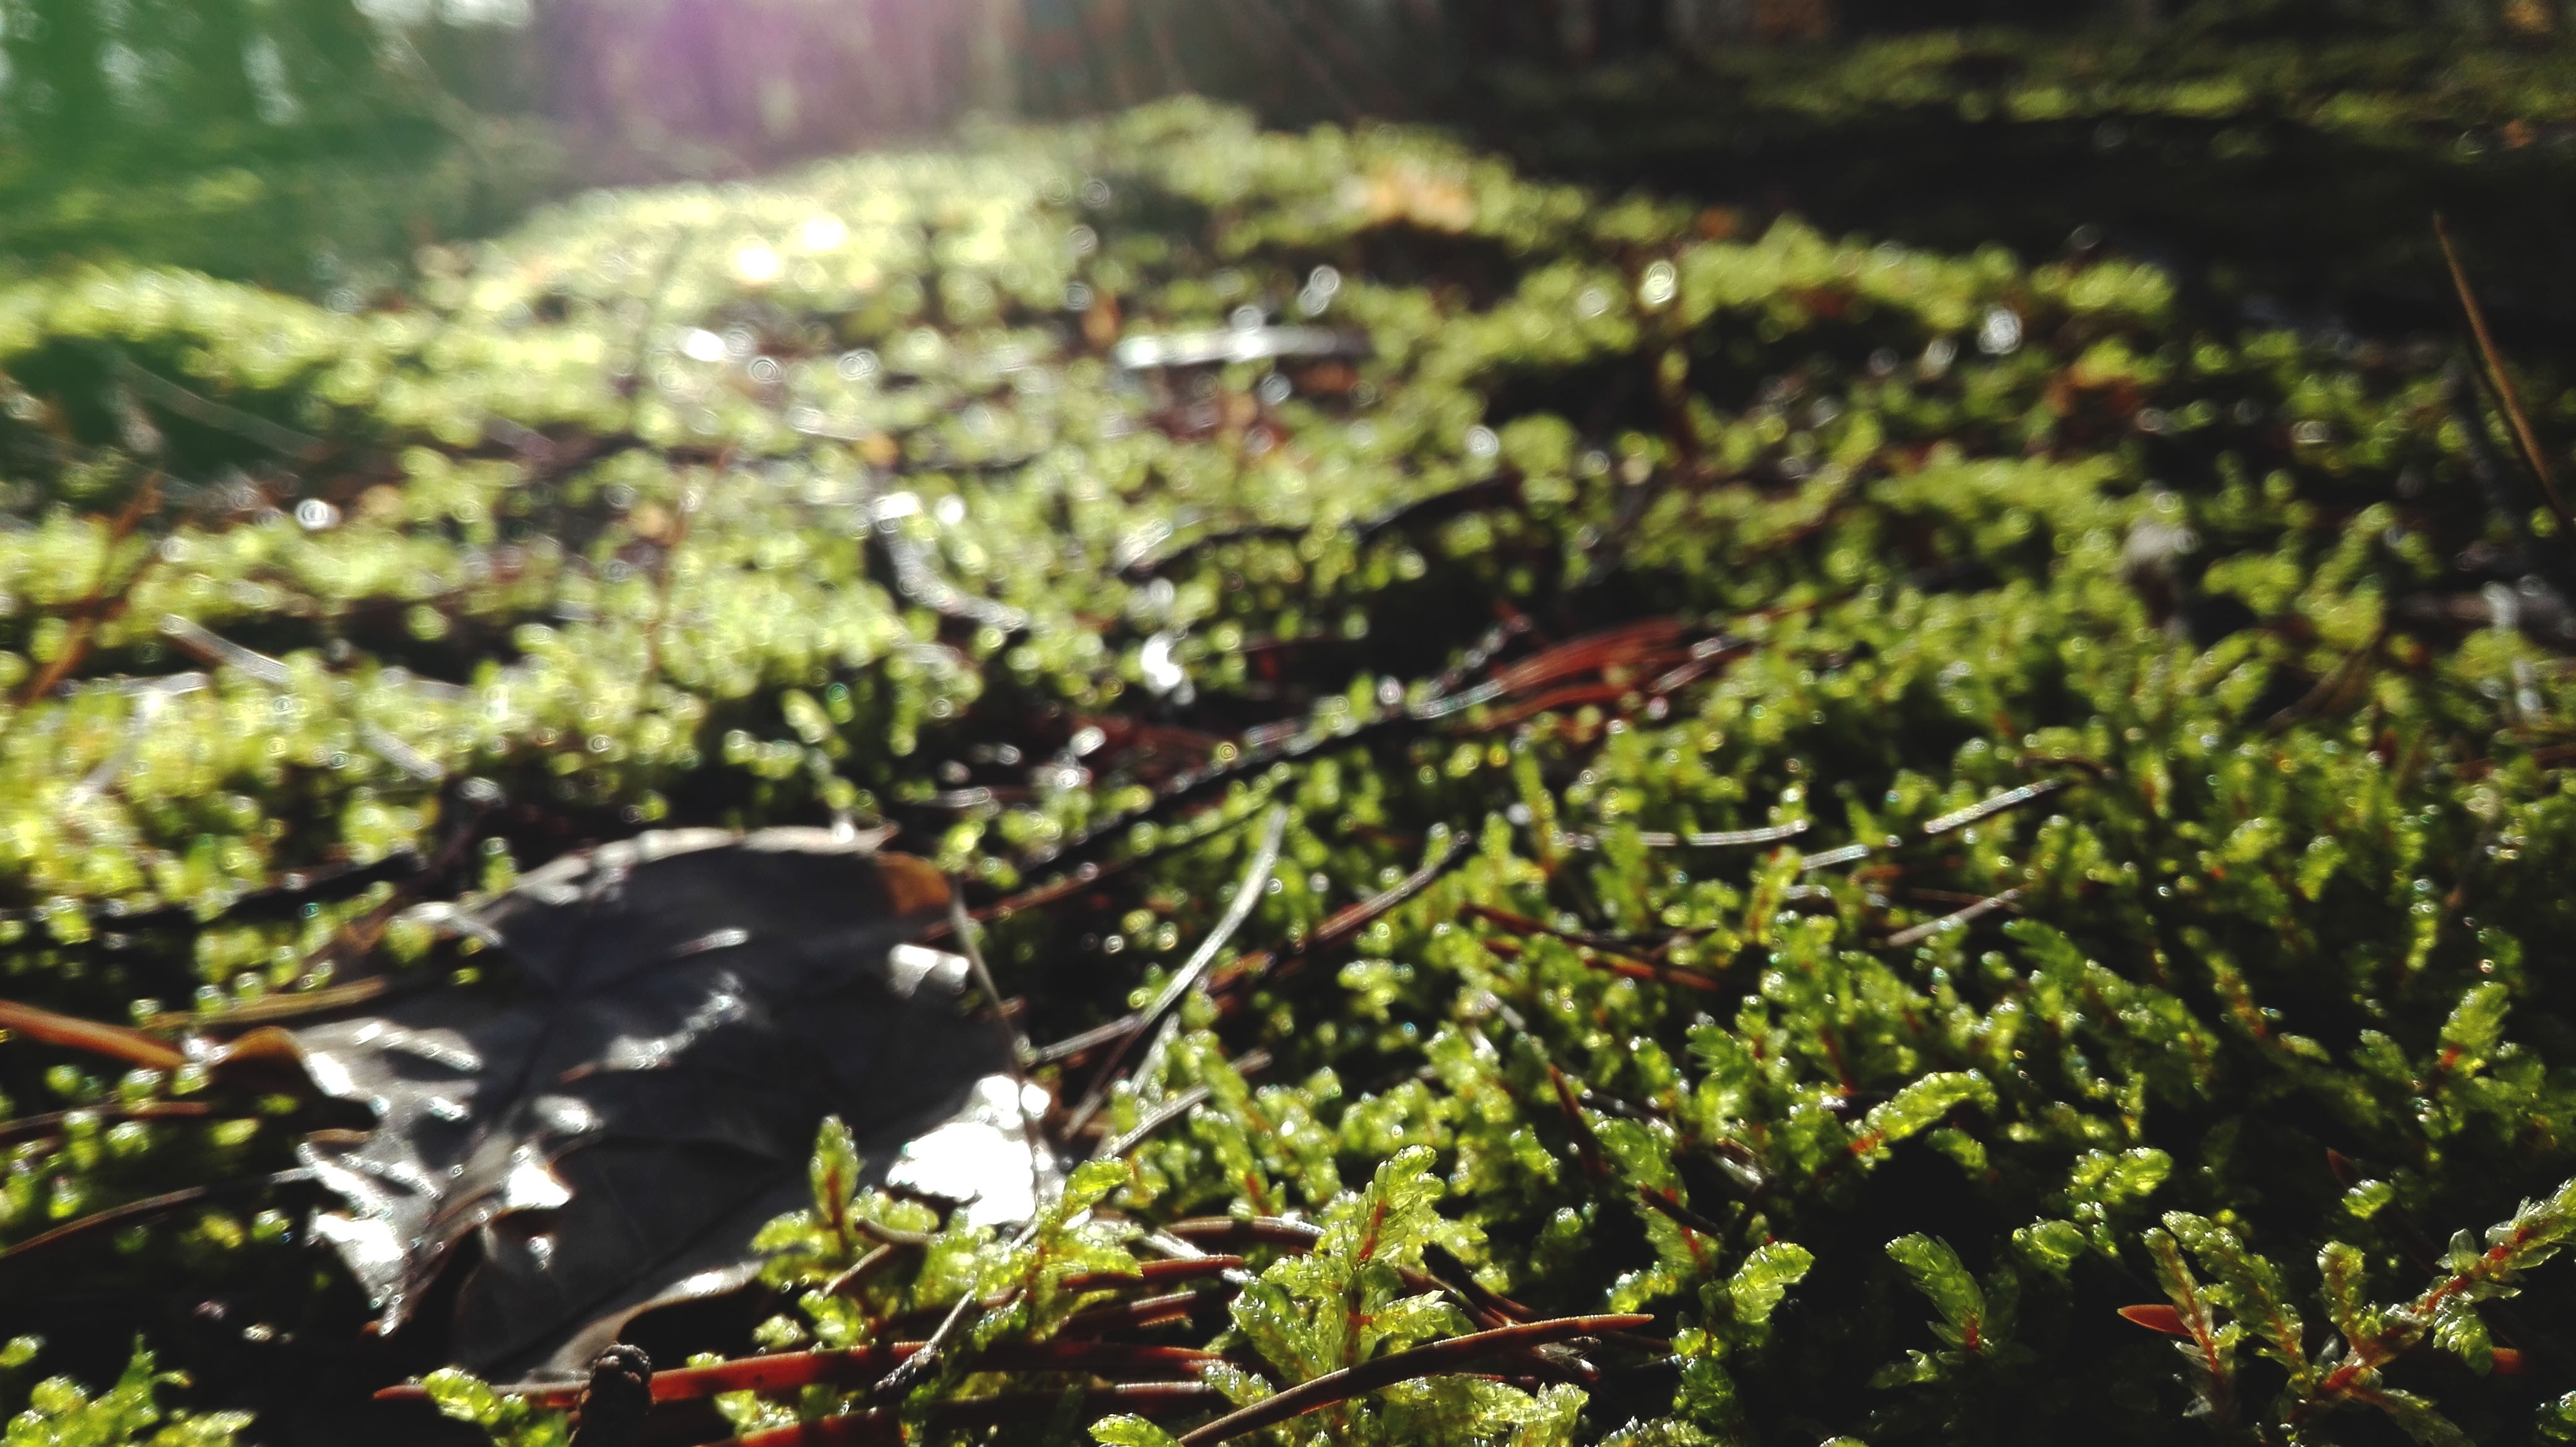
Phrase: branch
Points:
(1152, 1273)
(1917, 934)
(1246, 1231)
(37, 1127)
(1386, 1371)
(117, 1042)
(1265, 857)
(1132, 1315)
(1347, 921)
(789, 1371)
(2506, 396)
(147, 1207)
(171, 397)
(100, 605)
(885, 1424)
(1112, 1147)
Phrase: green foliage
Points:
(1935, 1271)
(1131, 1431)
(2164, 818)
(2350, 1371)
(303, 142)
(58, 1412)
(1344, 1302)
(510, 1420)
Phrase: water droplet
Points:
(2000, 332)
(1658, 285)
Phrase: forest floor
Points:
(1834, 835)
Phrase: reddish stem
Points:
(72, 1033)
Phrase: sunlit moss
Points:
(806, 498)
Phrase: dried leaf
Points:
(691, 1004)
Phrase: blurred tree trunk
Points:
(214, 68)
(62, 63)
(714, 86)
(1578, 30)
(994, 49)
(1778, 20)
(1707, 24)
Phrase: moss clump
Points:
(1990, 801)
(2284, 157)
(58, 1410)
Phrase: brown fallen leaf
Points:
(683, 1009)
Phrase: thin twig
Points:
(1437, 508)
(1133, 1315)
(1990, 805)
(171, 397)
(962, 930)
(865, 1267)
(1491, 1307)
(73, 1033)
(2329, 689)
(1112, 1147)
(1083, 875)
(1669, 1204)
(217, 651)
(1587, 1146)
(1984, 808)
(1341, 925)
(787, 1371)
(1085, 1042)
(1717, 839)
(1848, 854)
(688, 503)
(269, 1009)
(147, 1207)
(885, 1235)
(1239, 1232)
(52, 1123)
(885, 1424)
(1067, 853)
(2506, 396)
(913, 1368)
(2503, 497)
(1149, 1273)
(1521, 924)
(1917, 934)
(295, 887)
(1661, 974)
(99, 605)
(1247, 893)
(1650, 643)
(1431, 1360)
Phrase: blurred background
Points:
(2282, 154)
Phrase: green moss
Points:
(58, 1412)
(2172, 919)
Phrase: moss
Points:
(1991, 801)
